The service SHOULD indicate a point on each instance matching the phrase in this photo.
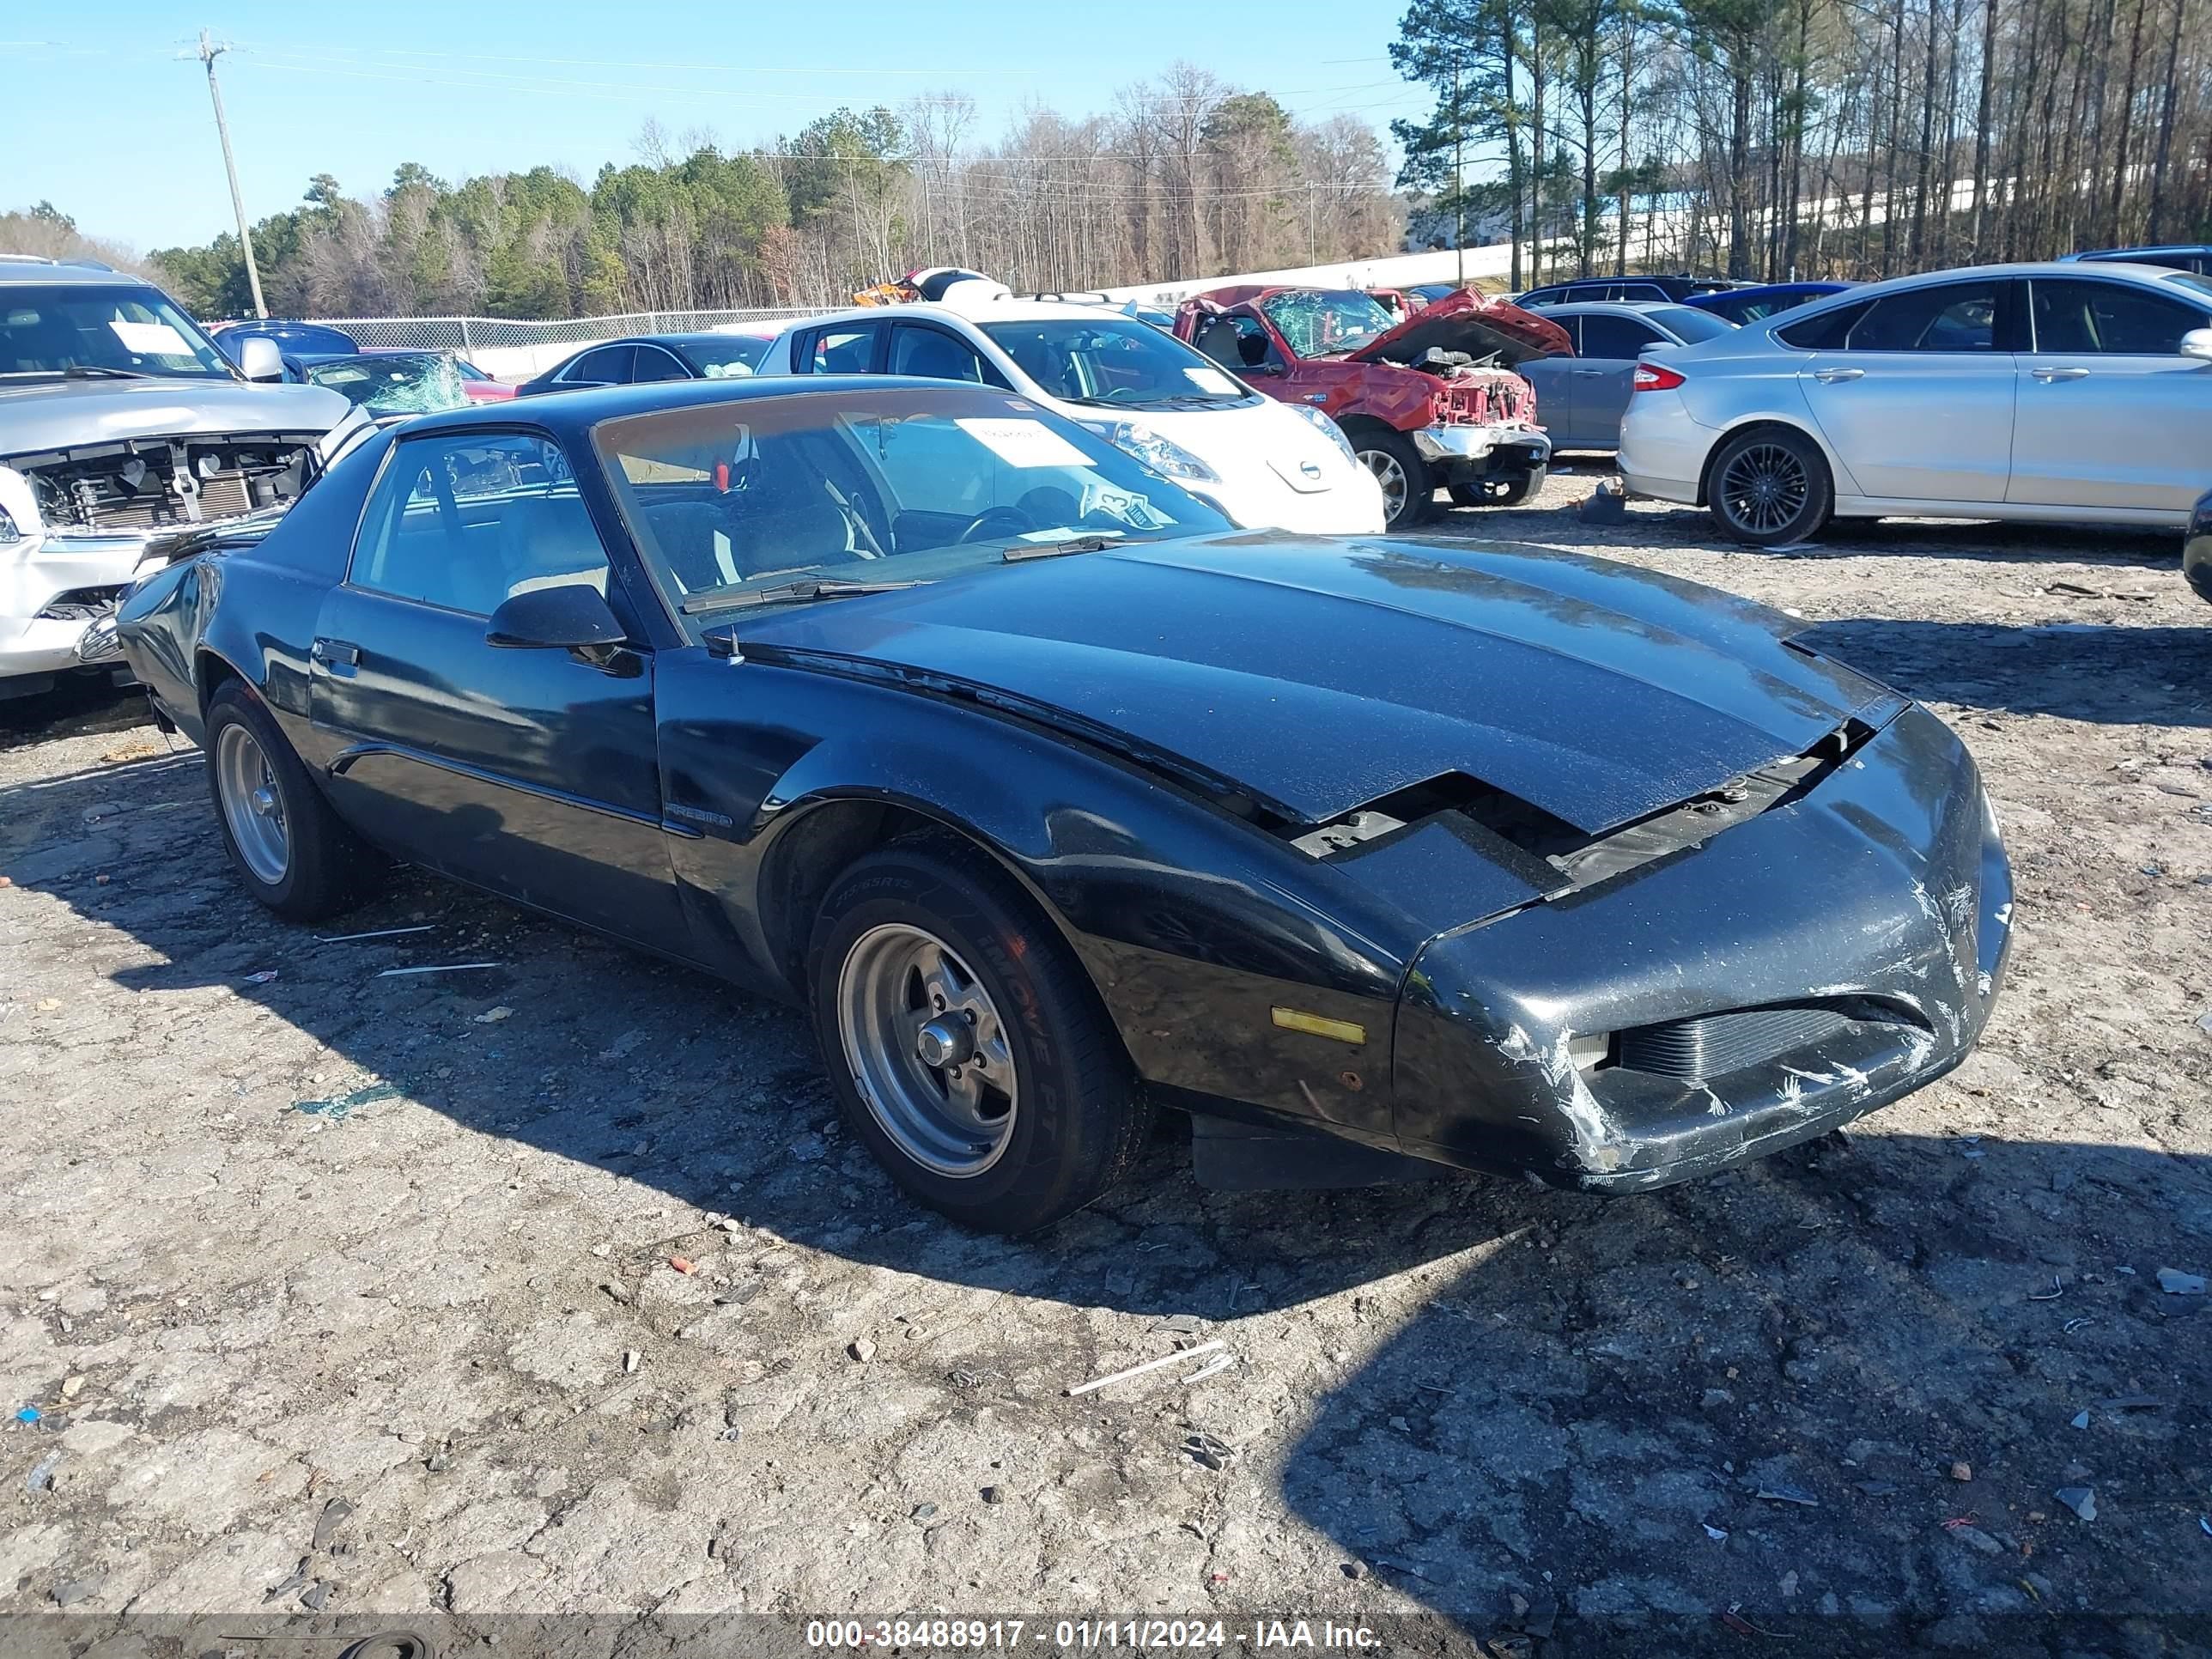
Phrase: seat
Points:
(788, 520)
(931, 356)
(1219, 340)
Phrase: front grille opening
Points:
(1706, 1046)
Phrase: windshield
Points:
(904, 484)
(721, 357)
(394, 383)
(1689, 324)
(49, 330)
(1325, 322)
(1118, 363)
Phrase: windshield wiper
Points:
(101, 371)
(804, 591)
(1021, 550)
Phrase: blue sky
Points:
(108, 115)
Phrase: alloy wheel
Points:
(1763, 487)
(928, 1049)
(1392, 477)
(253, 804)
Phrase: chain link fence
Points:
(467, 334)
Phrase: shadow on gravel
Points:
(1977, 540)
(1629, 1415)
(2075, 670)
(76, 707)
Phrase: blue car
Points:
(2183, 256)
(1748, 304)
(302, 344)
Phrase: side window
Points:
(1954, 317)
(2108, 318)
(1541, 296)
(654, 364)
(1825, 332)
(1607, 336)
(608, 366)
(849, 349)
(932, 353)
(464, 520)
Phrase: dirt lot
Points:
(425, 1353)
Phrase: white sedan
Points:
(1267, 465)
(2059, 392)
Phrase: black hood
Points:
(1320, 676)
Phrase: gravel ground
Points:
(556, 1288)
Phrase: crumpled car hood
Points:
(1320, 675)
(36, 415)
(1480, 324)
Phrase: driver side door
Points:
(532, 772)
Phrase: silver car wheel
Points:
(928, 1049)
(1763, 487)
(253, 804)
(1392, 477)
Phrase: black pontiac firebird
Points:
(1054, 797)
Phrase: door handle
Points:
(2047, 375)
(1588, 373)
(1831, 376)
(338, 653)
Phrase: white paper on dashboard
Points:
(151, 339)
(1210, 380)
(1024, 443)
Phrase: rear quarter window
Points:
(1825, 332)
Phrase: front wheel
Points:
(1770, 487)
(965, 1044)
(286, 843)
(1506, 489)
(1398, 467)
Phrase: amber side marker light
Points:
(1320, 1025)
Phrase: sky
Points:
(108, 114)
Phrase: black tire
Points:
(1386, 453)
(1786, 463)
(1506, 489)
(1080, 1120)
(327, 868)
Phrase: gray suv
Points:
(120, 420)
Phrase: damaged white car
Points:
(120, 422)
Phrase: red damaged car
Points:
(1433, 401)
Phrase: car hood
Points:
(1320, 676)
(1477, 324)
(36, 415)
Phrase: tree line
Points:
(1184, 176)
(1812, 138)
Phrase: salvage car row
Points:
(969, 673)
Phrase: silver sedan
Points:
(2059, 392)
(1580, 399)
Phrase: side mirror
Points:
(259, 359)
(568, 616)
(2198, 343)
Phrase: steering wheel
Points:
(1002, 515)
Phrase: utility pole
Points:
(209, 53)
(1459, 176)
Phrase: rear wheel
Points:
(967, 1048)
(1770, 487)
(1506, 489)
(285, 842)
(1407, 489)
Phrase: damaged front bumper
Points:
(52, 588)
(1795, 972)
(1460, 453)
